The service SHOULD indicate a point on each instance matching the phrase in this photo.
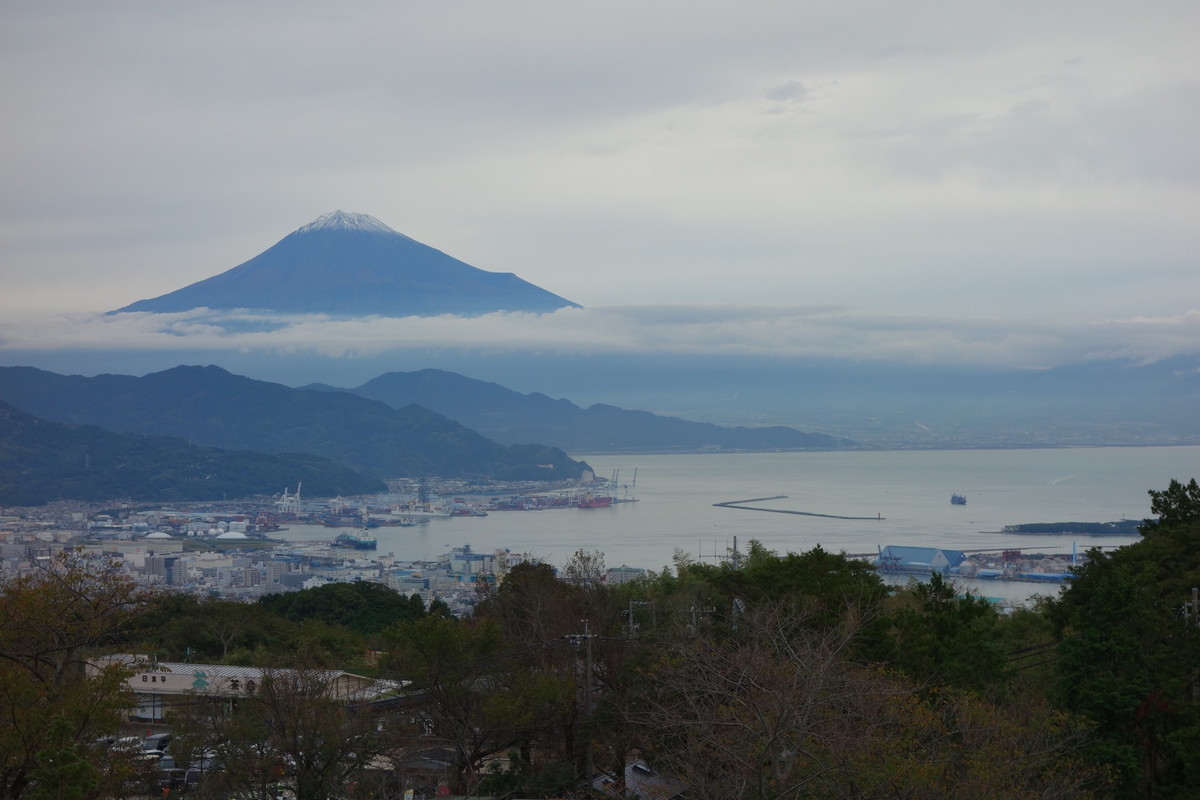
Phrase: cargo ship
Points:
(357, 540)
(595, 501)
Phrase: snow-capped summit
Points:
(344, 220)
(354, 265)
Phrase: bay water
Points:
(866, 499)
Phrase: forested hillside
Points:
(209, 406)
(42, 461)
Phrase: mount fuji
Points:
(354, 265)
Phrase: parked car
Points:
(157, 741)
(172, 779)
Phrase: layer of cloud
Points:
(817, 332)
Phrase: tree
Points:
(294, 729)
(1178, 504)
(831, 580)
(737, 715)
(943, 637)
(54, 705)
(531, 605)
(1130, 643)
(539, 614)
(457, 667)
(585, 568)
(365, 607)
(223, 625)
(777, 709)
(183, 628)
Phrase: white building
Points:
(160, 685)
(624, 574)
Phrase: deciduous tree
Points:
(295, 730)
(53, 705)
(458, 669)
(778, 709)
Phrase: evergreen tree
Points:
(1130, 651)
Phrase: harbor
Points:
(680, 509)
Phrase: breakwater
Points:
(741, 505)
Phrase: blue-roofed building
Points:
(919, 559)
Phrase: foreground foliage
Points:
(778, 709)
(768, 676)
(1130, 649)
(54, 708)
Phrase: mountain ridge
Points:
(509, 416)
(212, 407)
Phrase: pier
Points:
(741, 504)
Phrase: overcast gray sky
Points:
(1016, 182)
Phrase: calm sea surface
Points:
(904, 496)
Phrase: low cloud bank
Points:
(815, 332)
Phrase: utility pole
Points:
(696, 612)
(631, 626)
(585, 639)
(1191, 616)
(738, 605)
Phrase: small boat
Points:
(958, 499)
